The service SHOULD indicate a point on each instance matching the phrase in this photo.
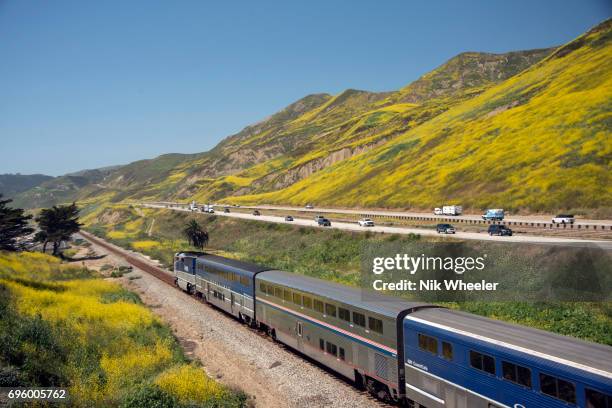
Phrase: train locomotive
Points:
(415, 354)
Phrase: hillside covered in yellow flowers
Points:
(63, 326)
(528, 131)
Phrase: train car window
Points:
(287, 295)
(558, 388)
(318, 306)
(307, 302)
(341, 354)
(297, 299)
(359, 319)
(321, 344)
(596, 399)
(262, 287)
(332, 349)
(244, 281)
(344, 314)
(447, 350)
(278, 292)
(482, 362)
(516, 373)
(375, 324)
(330, 310)
(428, 343)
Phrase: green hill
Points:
(11, 184)
(526, 130)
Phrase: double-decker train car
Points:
(335, 325)
(418, 354)
(456, 359)
(226, 283)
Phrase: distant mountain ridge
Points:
(527, 130)
(12, 184)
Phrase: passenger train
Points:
(416, 354)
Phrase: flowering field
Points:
(61, 325)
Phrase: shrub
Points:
(150, 396)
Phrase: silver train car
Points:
(334, 325)
(226, 283)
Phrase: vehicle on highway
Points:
(226, 210)
(324, 222)
(309, 206)
(256, 212)
(438, 211)
(365, 222)
(445, 228)
(452, 210)
(563, 219)
(500, 230)
(288, 218)
(493, 214)
(193, 206)
(208, 208)
(407, 352)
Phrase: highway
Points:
(514, 218)
(403, 230)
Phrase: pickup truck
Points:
(445, 228)
(365, 222)
(324, 222)
(563, 219)
(493, 214)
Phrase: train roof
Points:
(526, 339)
(364, 299)
(232, 263)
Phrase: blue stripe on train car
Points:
(459, 372)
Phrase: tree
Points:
(13, 224)
(196, 235)
(57, 224)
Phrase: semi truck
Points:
(452, 210)
(208, 208)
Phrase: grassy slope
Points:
(538, 141)
(60, 325)
(330, 255)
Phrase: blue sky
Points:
(96, 83)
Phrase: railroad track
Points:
(165, 277)
(134, 260)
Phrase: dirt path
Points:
(235, 355)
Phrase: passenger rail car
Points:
(456, 359)
(334, 325)
(226, 283)
(421, 355)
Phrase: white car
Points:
(365, 222)
(563, 219)
(437, 211)
(309, 206)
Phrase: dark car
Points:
(500, 230)
(256, 212)
(288, 218)
(445, 228)
(324, 222)
(226, 210)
